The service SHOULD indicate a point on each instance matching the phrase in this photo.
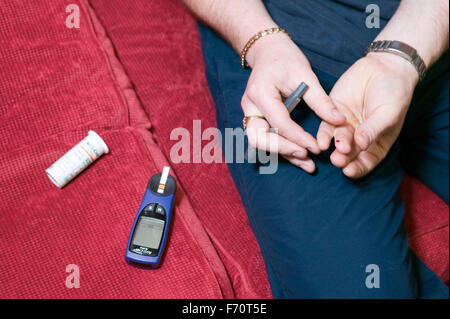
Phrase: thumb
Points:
(375, 125)
(322, 105)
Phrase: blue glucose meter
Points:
(148, 235)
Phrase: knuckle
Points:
(324, 104)
(244, 101)
(288, 85)
(283, 131)
(367, 131)
(254, 91)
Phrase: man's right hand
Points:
(278, 67)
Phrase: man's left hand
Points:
(374, 95)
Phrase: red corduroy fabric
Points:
(159, 47)
(56, 84)
(426, 220)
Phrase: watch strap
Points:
(401, 49)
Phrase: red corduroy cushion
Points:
(426, 220)
(56, 84)
(158, 45)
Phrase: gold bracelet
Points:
(256, 37)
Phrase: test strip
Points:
(163, 180)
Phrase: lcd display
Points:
(148, 232)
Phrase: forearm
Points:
(423, 25)
(236, 20)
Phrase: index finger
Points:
(269, 103)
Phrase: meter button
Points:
(150, 208)
(160, 210)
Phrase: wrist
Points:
(248, 29)
(266, 45)
(397, 64)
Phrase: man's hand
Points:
(279, 67)
(376, 91)
(374, 95)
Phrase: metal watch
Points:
(403, 50)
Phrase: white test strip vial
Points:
(77, 159)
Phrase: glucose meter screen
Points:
(148, 232)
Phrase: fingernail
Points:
(315, 150)
(309, 167)
(299, 155)
(303, 166)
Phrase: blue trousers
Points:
(322, 234)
